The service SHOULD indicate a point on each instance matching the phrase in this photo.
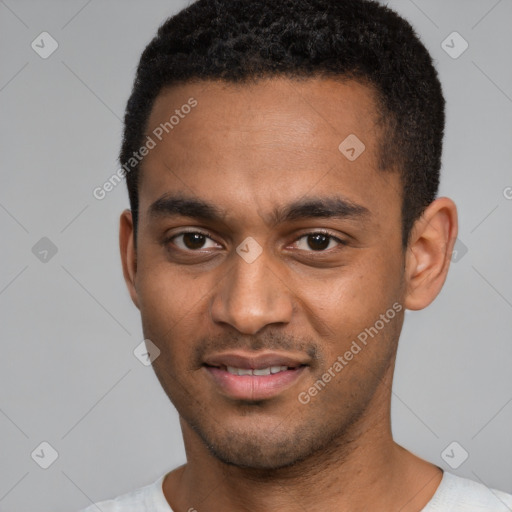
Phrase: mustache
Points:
(268, 341)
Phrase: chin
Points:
(259, 450)
(247, 455)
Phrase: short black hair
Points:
(239, 41)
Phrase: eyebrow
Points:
(305, 208)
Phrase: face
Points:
(269, 266)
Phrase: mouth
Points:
(247, 376)
(269, 370)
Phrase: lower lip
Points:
(254, 387)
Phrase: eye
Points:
(192, 241)
(318, 241)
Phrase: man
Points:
(282, 161)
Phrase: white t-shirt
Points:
(454, 494)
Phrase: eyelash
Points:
(326, 233)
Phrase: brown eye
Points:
(193, 241)
(318, 242)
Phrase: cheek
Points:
(164, 291)
(351, 299)
(173, 308)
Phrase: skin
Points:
(249, 150)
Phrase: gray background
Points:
(68, 375)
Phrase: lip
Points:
(253, 361)
(254, 387)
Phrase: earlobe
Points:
(128, 254)
(429, 253)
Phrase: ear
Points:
(128, 254)
(429, 253)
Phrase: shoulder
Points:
(147, 498)
(457, 494)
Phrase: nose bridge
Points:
(252, 295)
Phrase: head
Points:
(284, 211)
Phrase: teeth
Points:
(261, 371)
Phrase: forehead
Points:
(277, 137)
(291, 110)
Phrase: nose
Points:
(252, 296)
